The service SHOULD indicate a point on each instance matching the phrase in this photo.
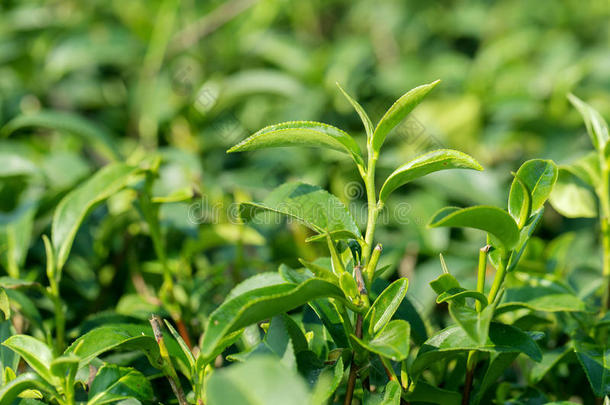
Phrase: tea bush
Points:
(384, 255)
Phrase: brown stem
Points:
(351, 381)
(167, 366)
(468, 386)
(184, 333)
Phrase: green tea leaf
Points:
(262, 303)
(492, 220)
(364, 117)
(74, 207)
(5, 304)
(392, 393)
(15, 236)
(594, 359)
(452, 340)
(473, 322)
(391, 342)
(398, 111)
(543, 295)
(314, 207)
(36, 353)
(549, 360)
(430, 162)
(498, 363)
(572, 198)
(538, 177)
(126, 338)
(328, 382)
(519, 202)
(113, 383)
(27, 381)
(385, 306)
(301, 133)
(445, 282)
(429, 394)
(261, 380)
(64, 365)
(597, 128)
(63, 121)
(8, 358)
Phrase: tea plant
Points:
(354, 336)
(583, 190)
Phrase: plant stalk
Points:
(498, 280)
(168, 367)
(481, 273)
(373, 208)
(470, 366)
(604, 199)
(54, 276)
(351, 381)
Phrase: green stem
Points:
(54, 276)
(373, 207)
(481, 273)
(498, 280)
(604, 198)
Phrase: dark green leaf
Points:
(501, 339)
(391, 342)
(113, 383)
(385, 306)
(594, 359)
(492, 220)
(314, 207)
(430, 162)
(429, 394)
(301, 133)
(498, 363)
(260, 304)
(328, 382)
(398, 111)
(8, 358)
(549, 360)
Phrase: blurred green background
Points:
(189, 79)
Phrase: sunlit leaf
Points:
(398, 111)
(314, 207)
(301, 133)
(492, 220)
(430, 162)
